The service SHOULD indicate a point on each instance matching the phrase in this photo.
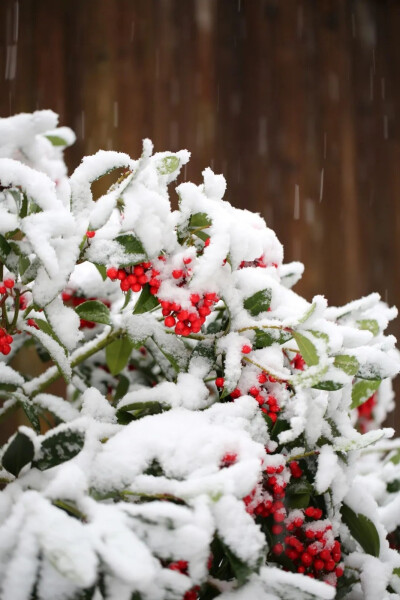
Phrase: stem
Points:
(16, 310)
(37, 385)
(300, 456)
(70, 509)
(254, 327)
(253, 362)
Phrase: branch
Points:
(38, 384)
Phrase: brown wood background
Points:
(279, 95)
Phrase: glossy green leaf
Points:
(133, 247)
(362, 529)
(102, 270)
(241, 570)
(306, 349)
(19, 453)
(118, 354)
(267, 337)
(199, 220)
(348, 364)
(328, 386)
(168, 165)
(31, 412)
(258, 302)
(59, 447)
(5, 248)
(57, 140)
(146, 301)
(95, 311)
(369, 325)
(362, 390)
(122, 388)
(308, 313)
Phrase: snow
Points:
(148, 489)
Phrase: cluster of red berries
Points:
(268, 402)
(5, 342)
(257, 262)
(6, 286)
(190, 321)
(299, 534)
(365, 411)
(182, 567)
(70, 296)
(298, 362)
(134, 278)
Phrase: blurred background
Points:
(295, 101)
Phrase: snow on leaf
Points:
(362, 529)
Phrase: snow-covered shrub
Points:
(220, 434)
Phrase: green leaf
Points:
(95, 311)
(308, 313)
(362, 390)
(168, 165)
(396, 571)
(56, 140)
(328, 386)
(46, 328)
(137, 410)
(265, 338)
(306, 349)
(199, 220)
(5, 248)
(206, 349)
(241, 570)
(298, 493)
(31, 412)
(146, 301)
(118, 354)
(59, 447)
(102, 270)
(348, 364)
(19, 453)
(258, 302)
(362, 529)
(122, 388)
(132, 245)
(369, 325)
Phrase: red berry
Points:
(9, 283)
(182, 315)
(318, 565)
(236, 393)
(220, 382)
(277, 529)
(112, 273)
(179, 328)
(262, 378)
(187, 261)
(90, 234)
(124, 285)
(339, 571)
(136, 287)
(246, 349)
(194, 299)
(228, 459)
(253, 391)
(306, 559)
(169, 321)
(207, 242)
(277, 549)
(3, 289)
(121, 274)
(330, 565)
(177, 273)
(138, 270)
